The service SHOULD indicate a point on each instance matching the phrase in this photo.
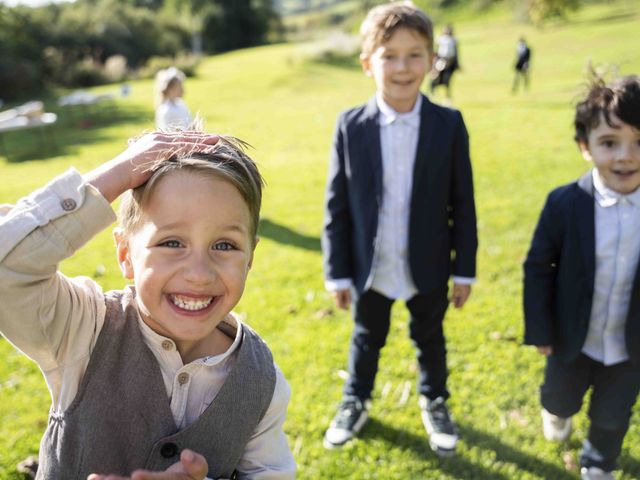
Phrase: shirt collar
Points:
(155, 340)
(388, 115)
(607, 197)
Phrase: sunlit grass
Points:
(286, 108)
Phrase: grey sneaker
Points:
(554, 428)
(443, 435)
(351, 417)
(595, 473)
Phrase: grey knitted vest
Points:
(121, 418)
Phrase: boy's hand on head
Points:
(342, 298)
(192, 466)
(135, 165)
(460, 295)
(545, 350)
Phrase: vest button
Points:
(169, 450)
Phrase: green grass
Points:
(286, 108)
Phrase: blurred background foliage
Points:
(91, 42)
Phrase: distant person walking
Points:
(523, 61)
(171, 111)
(445, 61)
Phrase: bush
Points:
(86, 73)
(337, 48)
(18, 78)
(186, 63)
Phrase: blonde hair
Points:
(164, 80)
(382, 21)
(227, 161)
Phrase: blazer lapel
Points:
(584, 210)
(372, 144)
(424, 150)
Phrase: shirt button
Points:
(68, 204)
(167, 344)
(183, 378)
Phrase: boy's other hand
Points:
(460, 295)
(342, 298)
(134, 166)
(192, 466)
(545, 350)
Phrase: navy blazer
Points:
(442, 222)
(559, 275)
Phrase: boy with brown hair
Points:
(159, 381)
(581, 283)
(400, 219)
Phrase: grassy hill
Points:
(286, 106)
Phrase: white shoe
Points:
(351, 416)
(555, 429)
(595, 473)
(437, 421)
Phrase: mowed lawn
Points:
(286, 106)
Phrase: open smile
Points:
(189, 304)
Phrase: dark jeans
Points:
(614, 392)
(371, 312)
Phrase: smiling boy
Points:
(581, 287)
(399, 219)
(159, 381)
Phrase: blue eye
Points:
(171, 244)
(224, 246)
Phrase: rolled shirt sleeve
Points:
(53, 319)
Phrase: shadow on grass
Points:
(282, 234)
(461, 467)
(73, 128)
(630, 465)
(507, 453)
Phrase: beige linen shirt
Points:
(56, 320)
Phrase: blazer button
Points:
(169, 450)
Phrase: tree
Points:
(239, 24)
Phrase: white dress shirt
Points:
(399, 134)
(390, 274)
(57, 322)
(446, 46)
(617, 223)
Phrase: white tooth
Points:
(188, 304)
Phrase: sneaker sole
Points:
(442, 452)
(356, 429)
(439, 451)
